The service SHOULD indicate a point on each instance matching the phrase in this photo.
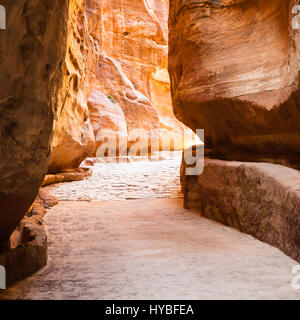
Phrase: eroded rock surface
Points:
(234, 72)
(115, 77)
(132, 71)
(31, 51)
(73, 138)
(28, 250)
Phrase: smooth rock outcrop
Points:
(260, 199)
(67, 176)
(32, 51)
(234, 68)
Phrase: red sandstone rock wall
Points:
(132, 70)
(234, 71)
(32, 50)
(73, 138)
(116, 63)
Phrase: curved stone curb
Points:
(67, 176)
(260, 199)
(28, 242)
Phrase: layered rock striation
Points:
(132, 86)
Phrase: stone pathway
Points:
(152, 249)
(148, 248)
(123, 181)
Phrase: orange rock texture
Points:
(131, 88)
(115, 77)
(73, 138)
(234, 68)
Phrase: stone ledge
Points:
(67, 176)
(260, 199)
(28, 243)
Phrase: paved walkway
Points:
(122, 181)
(101, 248)
(152, 249)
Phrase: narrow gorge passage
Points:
(126, 181)
(148, 248)
(85, 81)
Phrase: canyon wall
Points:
(32, 51)
(68, 70)
(73, 138)
(131, 85)
(234, 68)
(115, 77)
(46, 54)
(72, 68)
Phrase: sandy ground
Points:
(152, 249)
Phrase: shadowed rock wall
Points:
(32, 51)
(234, 70)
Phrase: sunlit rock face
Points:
(32, 49)
(234, 69)
(115, 70)
(73, 138)
(108, 120)
(132, 70)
